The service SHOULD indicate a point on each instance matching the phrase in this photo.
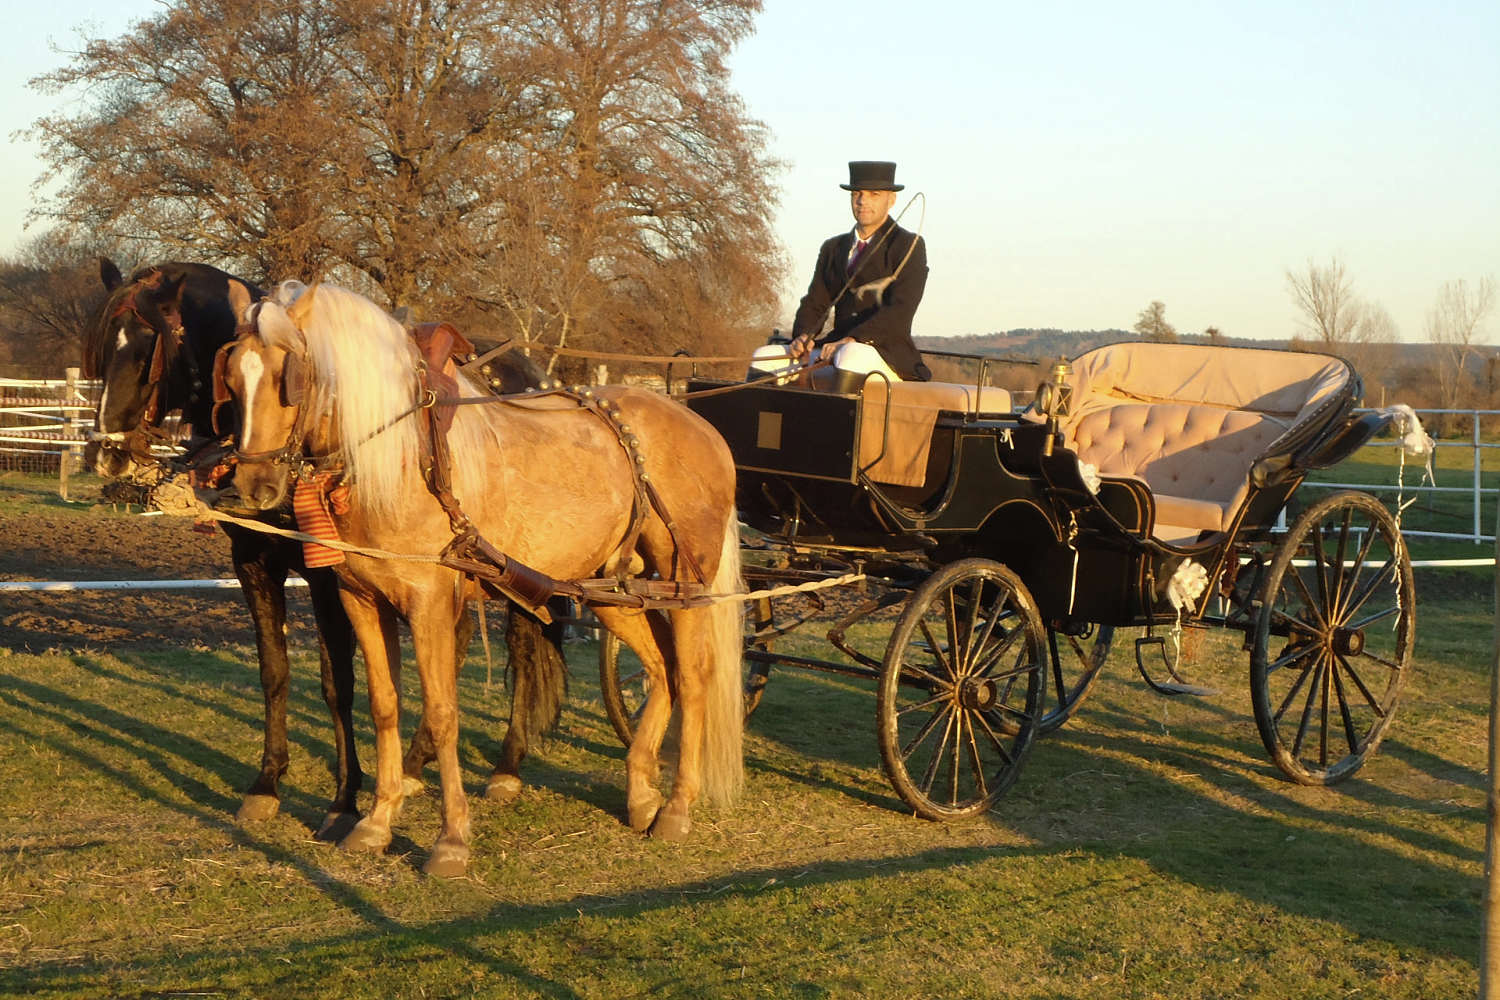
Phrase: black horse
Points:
(153, 344)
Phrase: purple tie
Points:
(859, 249)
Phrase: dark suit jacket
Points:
(882, 319)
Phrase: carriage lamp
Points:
(1054, 398)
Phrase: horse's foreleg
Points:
(432, 630)
(263, 587)
(336, 658)
(374, 623)
(638, 630)
(422, 751)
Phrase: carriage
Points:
(1146, 488)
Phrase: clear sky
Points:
(1080, 160)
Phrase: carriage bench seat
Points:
(895, 452)
(1191, 421)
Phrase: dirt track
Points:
(42, 538)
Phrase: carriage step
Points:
(1177, 685)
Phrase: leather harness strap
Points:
(469, 552)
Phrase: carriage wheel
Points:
(1074, 654)
(962, 689)
(623, 684)
(1333, 638)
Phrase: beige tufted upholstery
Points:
(1190, 421)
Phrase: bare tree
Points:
(1456, 328)
(555, 162)
(49, 293)
(1152, 324)
(1215, 336)
(1324, 295)
(639, 215)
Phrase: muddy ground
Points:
(43, 538)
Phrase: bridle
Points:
(168, 343)
(294, 393)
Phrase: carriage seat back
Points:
(1192, 420)
(894, 450)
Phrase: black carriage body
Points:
(985, 495)
(993, 488)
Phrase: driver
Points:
(872, 277)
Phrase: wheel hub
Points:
(977, 693)
(1349, 641)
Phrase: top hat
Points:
(872, 175)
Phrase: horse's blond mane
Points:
(364, 366)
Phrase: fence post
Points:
(65, 450)
(1478, 479)
(1489, 942)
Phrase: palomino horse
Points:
(327, 375)
(153, 345)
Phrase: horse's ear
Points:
(110, 274)
(299, 309)
(239, 299)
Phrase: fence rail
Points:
(44, 423)
(1474, 488)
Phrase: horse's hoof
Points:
(502, 788)
(365, 837)
(410, 785)
(258, 808)
(336, 826)
(643, 811)
(672, 826)
(447, 861)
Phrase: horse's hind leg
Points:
(539, 681)
(336, 659)
(644, 633)
(262, 582)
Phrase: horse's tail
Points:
(539, 676)
(724, 721)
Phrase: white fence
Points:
(44, 423)
(1412, 483)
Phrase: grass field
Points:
(1148, 850)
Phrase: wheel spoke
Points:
(937, 699)
(1338, 689)
(1388, 664)
(1291, 695)
(1310, 629)
(1307, 708)
(983, 639)
(1364, 690)
(1311, 605)
(937, 757)
(1292, 655)
(924, 732)
(966, 647)
(950, 618)
(1320, 569)
(939, 652)
(1386, 572)
(977, 763)
(1373, 617)
(982, 669)
(995, 740)
(1336, 570)
(1371, 533)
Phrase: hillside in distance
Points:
(1044, 345)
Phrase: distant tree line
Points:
(564, 172)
